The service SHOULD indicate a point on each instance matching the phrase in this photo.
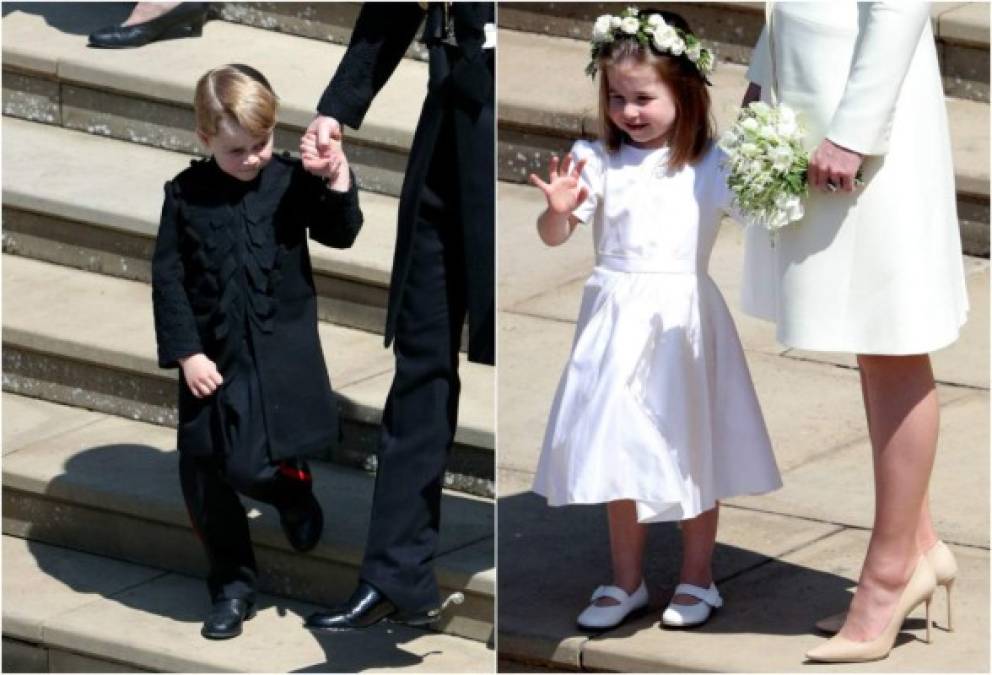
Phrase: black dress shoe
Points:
(184, 20)
(226, 617)
(303, 525)
(367, 606)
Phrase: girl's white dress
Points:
(656, 403)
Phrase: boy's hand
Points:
(563, 191)
(330, 163)
(202, 376)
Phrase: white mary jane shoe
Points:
(684, 616)
(595, 617)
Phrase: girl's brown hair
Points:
(238, 93)
(693, 128)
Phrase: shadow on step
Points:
(127, 626)
(76, 18)
(123, 500)
(551, 559)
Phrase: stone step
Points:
(94, 203)
(145, 95)
(533, 127)
(110, 486)
(88, 340)
(328, 21)
(68, 611)
(732, 28)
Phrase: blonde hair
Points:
(694, 126)
(237, 93)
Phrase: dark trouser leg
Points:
(211, 486)
(220, 522)
(420, 417)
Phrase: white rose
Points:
(787, 128)
(678, 46)
(781, 158)
(614, 22)
(664, 37)
(749, 124)
(629, 25)
(760, 109)
(655, 20)
(602, 28)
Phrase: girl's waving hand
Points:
(563, 190)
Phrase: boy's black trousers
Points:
(211, 485)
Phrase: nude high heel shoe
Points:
(945, 567)
(920, 588)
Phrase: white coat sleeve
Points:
(888, 37)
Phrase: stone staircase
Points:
(90, 136)
(538, 44)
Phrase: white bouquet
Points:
(766, 165)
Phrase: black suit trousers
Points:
(421, 411)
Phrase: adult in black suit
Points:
(442, 268)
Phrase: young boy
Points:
(235, 310)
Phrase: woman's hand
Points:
(832, 165)
(202, 376)
(563, 191)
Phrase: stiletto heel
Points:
(919, 589)
(945, 567)
(948, 586)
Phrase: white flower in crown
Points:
(694, 52)
(614, 22)
(602, 30)
(664, 37)
(630, 25)
(656, 21)
(678, 46)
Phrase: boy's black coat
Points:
(460, 85)
(231, 271)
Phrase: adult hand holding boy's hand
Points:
(202, 376)
(330, 163)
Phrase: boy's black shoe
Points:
(303, 525)
(226, 617)
(366, 607)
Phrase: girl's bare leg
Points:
(627, 538)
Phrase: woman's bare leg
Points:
(903, 414)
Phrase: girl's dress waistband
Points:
(645, 266)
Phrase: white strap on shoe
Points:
(614, 592)
(708, 595)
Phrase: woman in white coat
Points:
(876, 271)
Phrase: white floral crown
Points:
(650, 30)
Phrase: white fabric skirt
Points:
(656, 403)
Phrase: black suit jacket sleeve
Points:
(175, 327)
(381, 36)
(333, 218)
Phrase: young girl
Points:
(655, 413)
(235, 310)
